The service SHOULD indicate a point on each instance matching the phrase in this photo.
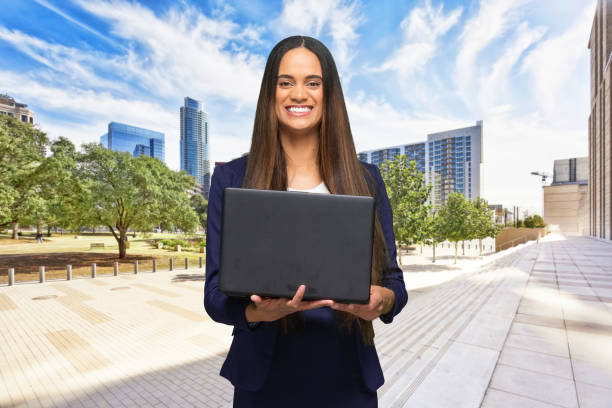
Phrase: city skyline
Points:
(408, 68)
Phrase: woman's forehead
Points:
(299, 62)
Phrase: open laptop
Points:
(274, 241)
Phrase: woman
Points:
(290, 351)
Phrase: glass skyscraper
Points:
(451, 161)
(194, 143)
(135, 140)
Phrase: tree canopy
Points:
(126, 192)
(22, 150)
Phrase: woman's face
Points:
(299, 91)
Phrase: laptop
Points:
(274, 241)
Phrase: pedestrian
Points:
(290, 352)
(39, 238)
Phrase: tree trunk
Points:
(463, 248)
(39, 228)
(15, 230)
(122, 244)
(421, 249)
(399, 255)
(48, 230)
(480, 246)
(434, 253)
(456, 248)
(121, 240)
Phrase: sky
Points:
(408, 68)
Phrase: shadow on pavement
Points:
(182, 277)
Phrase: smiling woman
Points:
(291, 352)
(299, 94)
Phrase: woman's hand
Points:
(381, 302)
(269, 309)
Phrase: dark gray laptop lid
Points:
(274, 241)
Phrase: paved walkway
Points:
(532, 328)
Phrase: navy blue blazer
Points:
(248, 361)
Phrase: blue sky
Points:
(408, 68)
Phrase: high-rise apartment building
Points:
(451, 161)
(600, 124)
(9, 107)
(194, 143)
(135, 140)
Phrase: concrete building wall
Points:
(566, 208)
(600, 127)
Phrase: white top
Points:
(321, 189)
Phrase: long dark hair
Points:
(338, 164)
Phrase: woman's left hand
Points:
(381, 302)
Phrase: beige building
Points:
(600, 123)
(566, 200)
(9, 107)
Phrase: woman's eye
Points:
(284, 84)
(314, 84)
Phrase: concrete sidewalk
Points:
(530, 328)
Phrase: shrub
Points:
(171, 243)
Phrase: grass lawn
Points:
(57, 251)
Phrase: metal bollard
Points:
(93, 270)
(68, 272)
(116, 269)
(11, 276)
(155, 265)
(171, 264)
(186, 263)
(135, 267)
(41, 274)
(201, 262)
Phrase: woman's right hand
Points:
(271, 309)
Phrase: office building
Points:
(566, 202)
(194, 143)
(600, 125)
(8, 106)
(451, 161)
(135, 140)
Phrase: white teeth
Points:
(299, 109)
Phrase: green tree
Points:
(482, 225)
(61, 187)
(408, 196)
(455, 219)
(434, 232)
(200, 206)
(22, 149)
(534, 221)
(125, 193)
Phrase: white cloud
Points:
(338, 18)
(494, 18)
(552, 64)
(494, 86)
(421, 30)
(183, 51)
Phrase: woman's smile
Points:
(298, 110)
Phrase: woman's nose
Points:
(298, 94)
